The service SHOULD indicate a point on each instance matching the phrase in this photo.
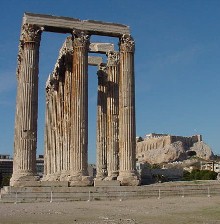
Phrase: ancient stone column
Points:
(101, 133)
(79, 111)
(25, 142)
(47, 141)
(59, 126)
(52, 150)
(67, 116)
(112, 115)
(127, 135)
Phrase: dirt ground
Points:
(153, 211)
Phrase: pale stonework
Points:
(26, 106)
(127, 135)
(79, 110)
(101, 133)
(66, 116)
(112, 115)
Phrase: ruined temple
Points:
(66, 123)
(160, 148)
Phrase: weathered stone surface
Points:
(66, 137)
(25, 139)
(127, 128)
(102, 48)
(94, 61)
(79, 111)
(112, 115)
(169, 153)
(66, 25)
(105, 183)
(202, 150)
(101, 131)
(176, 151)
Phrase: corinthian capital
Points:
(113, 58)
(80, 39)
(31, 33)
(127, 43)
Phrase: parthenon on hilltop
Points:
(66, 123)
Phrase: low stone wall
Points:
(58, 194)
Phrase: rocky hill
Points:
(176, 151)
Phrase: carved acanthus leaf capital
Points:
(80, 39)
(127, 43)
(31, 33)
(113, 58)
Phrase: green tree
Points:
(199, 175)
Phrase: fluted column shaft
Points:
(79, 108)
(127, 135)
(24, 167)
(101, 141)
(67, 117)
(47, 141)
(112, 114)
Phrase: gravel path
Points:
(153, 211)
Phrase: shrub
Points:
(199, 175)
(5, 181)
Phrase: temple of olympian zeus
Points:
(66, 123)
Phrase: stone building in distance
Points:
(162, 148)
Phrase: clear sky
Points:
(177, 63)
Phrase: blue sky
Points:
(177, 63)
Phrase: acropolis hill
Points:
(163, 148)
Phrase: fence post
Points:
(89, 196)
(51, 196)
(183, 195)
(120, 197)
(159, 195)
(208, 193)
(16, 197)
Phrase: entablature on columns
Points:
(60, 24)
(64, 60)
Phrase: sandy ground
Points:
(162, 211)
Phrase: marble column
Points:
(101, 133)
(25, 142)
(112, 115)
(59, 124)
(67, 117)
(79, 111)
(51, 155)
(47, 140)
(127, 136)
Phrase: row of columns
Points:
(66, 145)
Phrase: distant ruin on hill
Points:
(159, 148)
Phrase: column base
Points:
(99, 178)
(51, 177)
(109, 178)
(80, 181)
(128, 178)
(64, 176)
(18, 180)
(106, 183)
